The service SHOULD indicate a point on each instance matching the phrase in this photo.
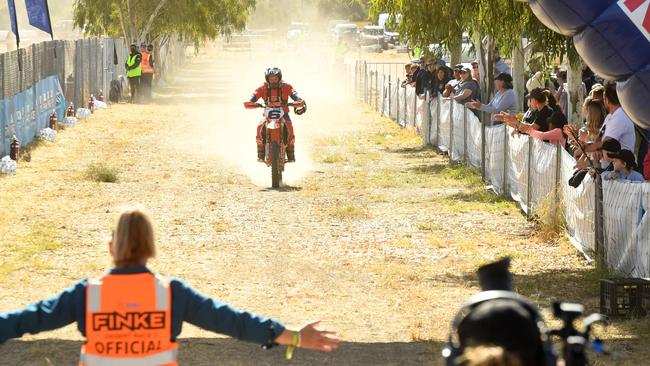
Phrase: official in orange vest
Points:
(131, 316)
(147, 73)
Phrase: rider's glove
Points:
(301, 110)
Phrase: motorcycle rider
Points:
(274, 90)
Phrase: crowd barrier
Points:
(607, 220)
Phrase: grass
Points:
(219, 226)
(25, 252)
(100, 172)
(429, 226)
(348, 212)
(333, 157)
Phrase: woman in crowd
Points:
(468, 89)
(407, 75)
(594, 115)
(131, 316)
(442, 77)
(504, 99)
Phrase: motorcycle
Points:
(275, 154)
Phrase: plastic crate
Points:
(624, 297)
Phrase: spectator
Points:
(588, 77)
(562, 95)
(407, 76)
(535, 82)
(617, 124)
(541, 103)
(423, 79)
(147, 73)
(597, 92)
(556, 122)
(476, 72)
(468, 89)
(594, 114)
(133, 72)
(443, 76)
(452, 86)
(504, 100)
(624, 164)
(500, 66)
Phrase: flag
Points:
(14, 21)
(115, 61)
(39, 15)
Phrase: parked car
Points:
(347, 32)
(372, 35)
(332, 24)
(297, 31)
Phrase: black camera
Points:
(497, 316)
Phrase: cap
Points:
(496, 275)
(475, 62)
(459, 67)
(626, 156)
(441, 62)
(466, 69)
(611, 146)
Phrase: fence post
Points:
(356, 80)
(383, 93)
(465, 159)
(427, 100)
(506, 156)
(558, 176)
(415, 108)
(482, 145)
(365, 82)
(376, 88)
(439, 102)
(390, 91)
(529, 174)
(405, 106)
(397, 87)
(451, 130)
(599, 229)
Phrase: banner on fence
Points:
(29, 111)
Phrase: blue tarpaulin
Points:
(29, 111)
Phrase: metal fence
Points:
(84, 67)
(607, 220)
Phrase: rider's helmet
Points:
(273, 71)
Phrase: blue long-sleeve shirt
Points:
(187, 305)
(502, 101)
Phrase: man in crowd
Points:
(133, 67)
(147, 73)
(617, 124)
(424, 78)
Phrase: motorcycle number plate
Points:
(274, 113)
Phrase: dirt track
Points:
(372, 234)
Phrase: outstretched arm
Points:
(222, 318)
(55, 312)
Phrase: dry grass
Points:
(383, 246)
(100, 172)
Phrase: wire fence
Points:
(83, 67)
(607, 220)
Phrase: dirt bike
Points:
(275, 154)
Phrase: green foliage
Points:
(139, 20)
(443, 22)
(101, 173)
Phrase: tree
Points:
(140, 20)
(345, 9)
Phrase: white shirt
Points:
(619, 126)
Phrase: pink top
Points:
(553, 136)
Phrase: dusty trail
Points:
(372, 234)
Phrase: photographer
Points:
(498, 327)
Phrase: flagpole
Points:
(49, 19)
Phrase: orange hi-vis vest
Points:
(128, 321)
(146, 67)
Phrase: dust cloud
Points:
(211, 90)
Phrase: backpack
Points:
(115, 93)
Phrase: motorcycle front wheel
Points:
(276, 172)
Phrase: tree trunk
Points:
(120, 11)
(132, 24)
(518, 73)
(456, 48)
(576, 93)
(143, 35)
(482, 65)
(489, 90)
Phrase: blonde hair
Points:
(488, 356)
(133, 240)
(595, 113)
